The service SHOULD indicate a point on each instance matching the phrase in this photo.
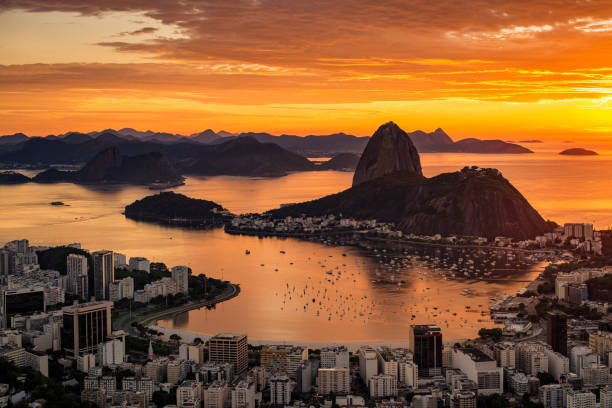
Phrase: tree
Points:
(175, 338)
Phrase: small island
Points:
(177, 209)
(578, 151)
(57, 203)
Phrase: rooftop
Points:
(476, 355)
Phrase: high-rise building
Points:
(216, 395)
(140, 264)
(601, 343)
(78, 284)
(283, 359)
(243, 395)
(119, 260)
(368, 364)
(382, 386)
(5, 259)
(180, 275)
(103, 272)
(281, 388)
(556, 334)
(426, 345)
(189, 394)
(334, 357)
(464, 399)
(605, 397)
(334, 380)
(553, 395)
(229, 348)
(480, 368)
(580, 399)
(23, 301)
(85, 326)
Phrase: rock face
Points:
(389, 151)
(110, 166)
(389, 186)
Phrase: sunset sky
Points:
(488, 69)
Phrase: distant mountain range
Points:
(309, 146)
(243, 156)
(108, 167)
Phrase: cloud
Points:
(144, 30)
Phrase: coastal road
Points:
(146, 316)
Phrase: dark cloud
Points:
(144, 30)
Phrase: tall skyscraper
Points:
(229, 348)
(103, 272)
(426, 345)
(556, 332)
(76, 267)
(85, 326)
(5, 259)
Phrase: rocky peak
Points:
(390, 150)
(97, 168)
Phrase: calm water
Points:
(276, 302)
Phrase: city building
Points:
(553, 395)
(334, 357)
(189, 394)
(464, 399)
(556, 331)
(21, 301)
(601, 343)
(119, 260)
(229, 348)
(140, 264)
(382, 386)
(78, 281)
(121, 289)
(281, 388)
(103, 273)
(334, 380)
(368, 363)
(180, 275)
(85, 326)
(580, 399)
(216, 395)
(243, 395)
(426, 345)
(480, 368)
(282, 359)
(605, 397)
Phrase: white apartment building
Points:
(180, 275)
(479, 368)
(121, 289)
(382, 386)
(368, 363)
(558, 364)
(243, 395)
(189, 394)
(216, 395)
(580, 399)
(281, 388)
(140, 264)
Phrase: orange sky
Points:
(502, 69)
